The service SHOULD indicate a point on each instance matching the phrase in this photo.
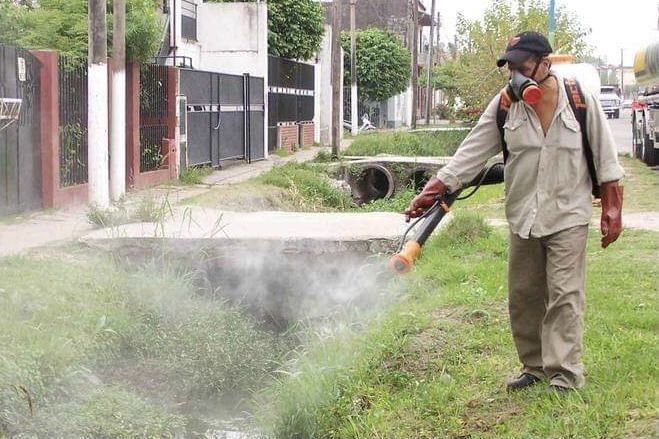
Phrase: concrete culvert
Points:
(372, 183)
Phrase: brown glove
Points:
(611, 223)
(434, 189)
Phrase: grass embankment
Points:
(440, 143)
(89, 349)
(309, 187)
(435, 364)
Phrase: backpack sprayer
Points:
(409, 251)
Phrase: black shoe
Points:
(560, 389)
(521, 382)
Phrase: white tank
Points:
(586, 74)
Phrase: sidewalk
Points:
(47, 227)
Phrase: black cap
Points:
(524, 45)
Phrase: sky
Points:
(614, 24)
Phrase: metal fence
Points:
(73, 164)
(153, 116)
(291, 94)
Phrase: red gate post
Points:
(132, 123)
(49, 114)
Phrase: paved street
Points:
(622, 131)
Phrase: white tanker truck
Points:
(645, 109)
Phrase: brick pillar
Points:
(132, 122)
(172, 91)
(49, 114)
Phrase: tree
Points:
(481, 42)
(295, 28)
(383, 64)
(62, 25)
(444, 79)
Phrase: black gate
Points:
(20, 145)
(225, 117)
(73, 160)
(291, 97)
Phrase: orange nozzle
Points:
(532, 95)
(402, 262)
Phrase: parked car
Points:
(611, 104)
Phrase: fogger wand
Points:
(409, 251)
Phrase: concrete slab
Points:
(205, 223)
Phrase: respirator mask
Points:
(523, 88)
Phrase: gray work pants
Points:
(546, 300)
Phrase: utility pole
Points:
(622, 74)
(354, 108)
(430, 63)
(97, 98)
(438, 25)
(337, 80)
(118, 119)
(552, 23)
(415, 57)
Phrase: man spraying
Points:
(558, 149)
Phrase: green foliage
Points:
(148, 209)
(436, 362)
(62, 25)
(194, 175)
(383, 64)
(281, 152)
(310, 184)
(295, 28)
(73, 136)
(323, 157)
(440, 143)
(444, 79)
(483, 41)
(143, 30)
(9, 13)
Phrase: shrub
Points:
(194, 175)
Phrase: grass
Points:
(281, 152)
(641, 186)
(435, 364)
(309, 185)
(194, 175)
(90, 348)
(147, 209)
(442, 143)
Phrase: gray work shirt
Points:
(548, 187)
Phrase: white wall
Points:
(399, 109)
(233, 38)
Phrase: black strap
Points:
(578, 104)
(502, 114)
